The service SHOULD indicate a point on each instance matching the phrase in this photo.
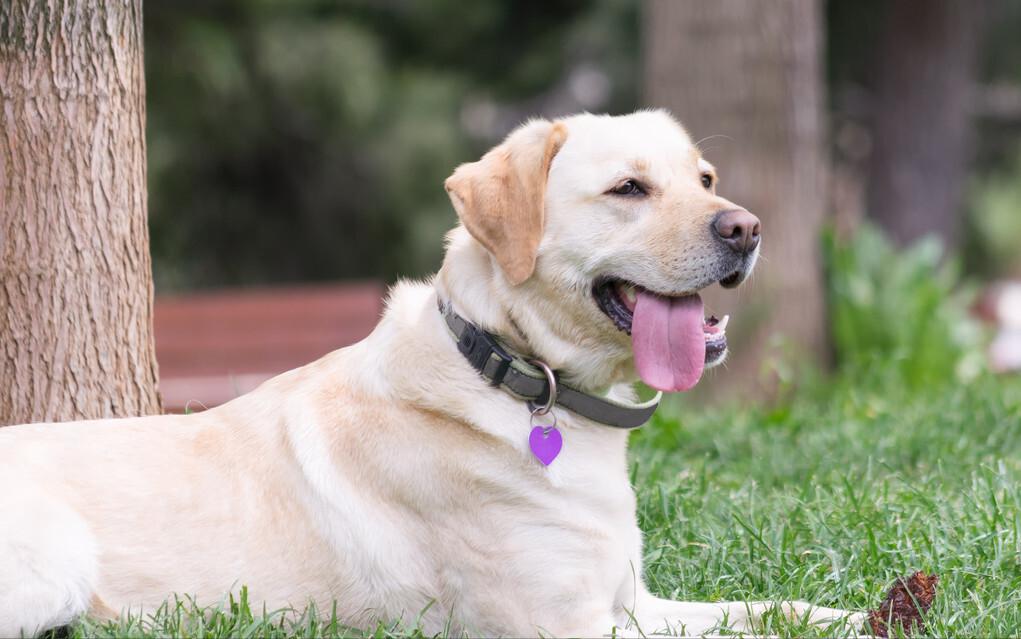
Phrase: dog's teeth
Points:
(723, 323)
(629, 293)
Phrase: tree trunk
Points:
(746, 78)
(920, 117)
(75, 275)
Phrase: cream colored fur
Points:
(387, 476)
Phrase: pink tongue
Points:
(668, 340)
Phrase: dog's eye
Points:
(629, 188)
(707, 180)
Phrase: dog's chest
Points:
(518, 539)
(431, 512)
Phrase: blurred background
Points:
(297, 153)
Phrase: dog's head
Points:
(602, 228)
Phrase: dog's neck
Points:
(525, 318)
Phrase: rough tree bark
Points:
(750, 73)
(75, 275)
(920, 118)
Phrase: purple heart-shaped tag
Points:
(545, 442)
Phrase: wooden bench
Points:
(214, 346)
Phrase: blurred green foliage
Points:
(994, 222)
(899, 316)
(309, 140)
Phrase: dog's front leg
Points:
(654, 616)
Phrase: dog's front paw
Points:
(765, 618)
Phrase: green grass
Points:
(830, 499)
(827, 497)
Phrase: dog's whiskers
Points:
(698, 145)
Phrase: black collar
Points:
(504, 368)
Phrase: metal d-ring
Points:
(551, 379)
(546, 428)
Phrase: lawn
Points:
(827, 496)
(830, 499)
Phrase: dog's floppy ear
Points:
(501, 198)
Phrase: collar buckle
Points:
(484, 353)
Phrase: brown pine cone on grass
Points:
(905, 604)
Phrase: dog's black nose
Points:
(738, 229)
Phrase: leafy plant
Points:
(899, 313)
(994, 226)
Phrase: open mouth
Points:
(673, 341)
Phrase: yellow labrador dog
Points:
(420, 472)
